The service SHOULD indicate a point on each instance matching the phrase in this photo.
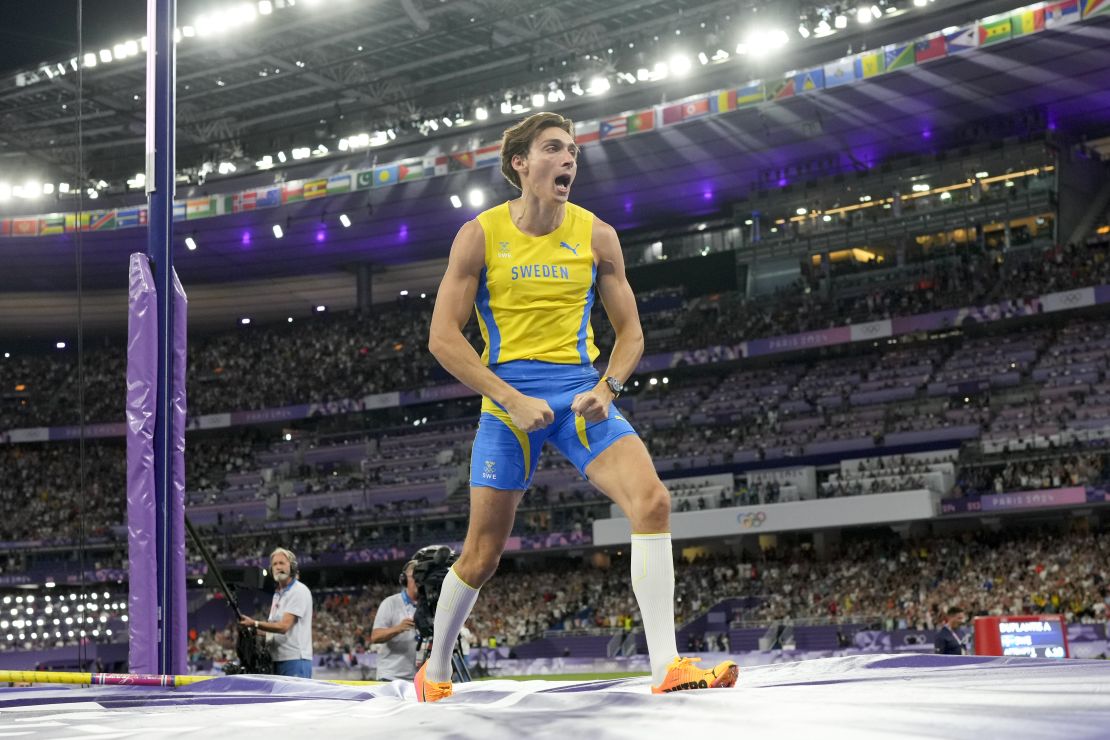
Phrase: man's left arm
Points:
(279, 627)
(620, 306)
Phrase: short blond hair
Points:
(519, 138)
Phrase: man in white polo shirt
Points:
(395, 630)
(289, 629)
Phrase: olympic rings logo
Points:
(751, 520)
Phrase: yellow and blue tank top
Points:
(535, 293)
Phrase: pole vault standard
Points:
(156, 389)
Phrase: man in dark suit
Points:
(948, 642)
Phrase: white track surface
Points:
(851, 697)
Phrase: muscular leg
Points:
(624, 472)
(492, 512)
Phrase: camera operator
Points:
(395, 630)
(289, 629)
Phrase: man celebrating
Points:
(395, 631)
(289, 629)
(531, 267)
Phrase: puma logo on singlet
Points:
(573, 249)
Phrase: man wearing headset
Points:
(289, 628)
(395, 630)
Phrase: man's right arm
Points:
(447, 344)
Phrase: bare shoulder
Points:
(469, 247)
(605, 242)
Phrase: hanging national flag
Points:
(586, 132)
(870, 64)
(994, 31)
(898, 56)
(71, 221)
(840, 72)
(386, 175)
(222, 205)
(929, 48)
(410, 169)
(782, 89)
(962, 39)
(723, 102)
(613, 128)
(695, 109)
(25, 227)
(103, 221)
(750, 94)
(198, 208)
(1026, 21)
(671, 114)
(55, 223)
(248, 201)
(129, 218)
(810, 80)
(365, 178)
(1061, 13)
(315, 189)
(5, 227)
(488, 156)
(179, 211)
(1095, 7)
(339, 183)
(441, 166)
(460, 161)
(269, 197)
(643, 121)
(293, 192)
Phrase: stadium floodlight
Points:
(404, 292)
(506, 107)
(188, 32)
(60, 345)
(863, 15)
(345, 220)
(278, 233)
(131, 48)
(480, 114)
(119, 51)
(265, 7)
(643, 74)
(190, 243)
(680, 64)
(920, 3)
(245, 321)
(803, 30)
(89, 60)
(538, 100)
(281, 157)
(476, 198)
(321, 308)
(456, 201)
(703, 58)
(762, 41)
(265, 163)
(841, 21)
(105, 55)
(48, 188)
(63, 187)
(598, 85)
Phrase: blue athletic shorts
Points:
(505, 457)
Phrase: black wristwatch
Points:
(615, 386)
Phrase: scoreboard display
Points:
(1035, 636)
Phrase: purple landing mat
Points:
(879, 696)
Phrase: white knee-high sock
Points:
(653, 584)
(456, 599)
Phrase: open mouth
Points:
(562, 184)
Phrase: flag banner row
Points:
(865, 65)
